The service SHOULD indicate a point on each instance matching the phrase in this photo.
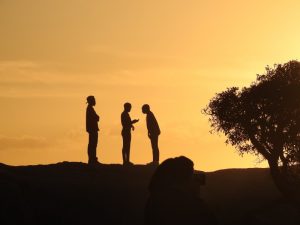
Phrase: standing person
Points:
(92, 128)
(153, 132)
(127, 125)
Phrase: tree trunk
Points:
(284, 164)
(284, 185)
(277, 176)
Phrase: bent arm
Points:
(134, 121)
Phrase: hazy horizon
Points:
(172, 55)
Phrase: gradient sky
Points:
(174, 55)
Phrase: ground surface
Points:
(74, 193)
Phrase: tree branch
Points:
(259, 146)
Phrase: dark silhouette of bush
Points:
(264, 120)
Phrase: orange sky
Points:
(174, 55)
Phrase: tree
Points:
(264, 119)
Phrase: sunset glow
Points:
(173, 55)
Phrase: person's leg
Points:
(128, 147)
(124, 148)
(95, 147)
(155, 149)
(92, 146)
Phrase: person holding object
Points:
(127, 125)
(92, 128)
(153, 132)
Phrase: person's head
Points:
(174, 173)
(127, 107)
(91, 100)
(145, 108)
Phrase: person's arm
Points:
(97, 118)
(133, 122)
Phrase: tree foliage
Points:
(264, 118)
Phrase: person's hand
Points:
(132, 127)
(135, 121)
(149, 135)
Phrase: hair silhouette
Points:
(164, 178)
(174, 196)
(127, 106)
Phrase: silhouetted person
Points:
(92, 128)
(127, 125)
(174, 196)
(153, 132)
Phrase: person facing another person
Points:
(92, 128)
(127, 126)
(153, 132)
